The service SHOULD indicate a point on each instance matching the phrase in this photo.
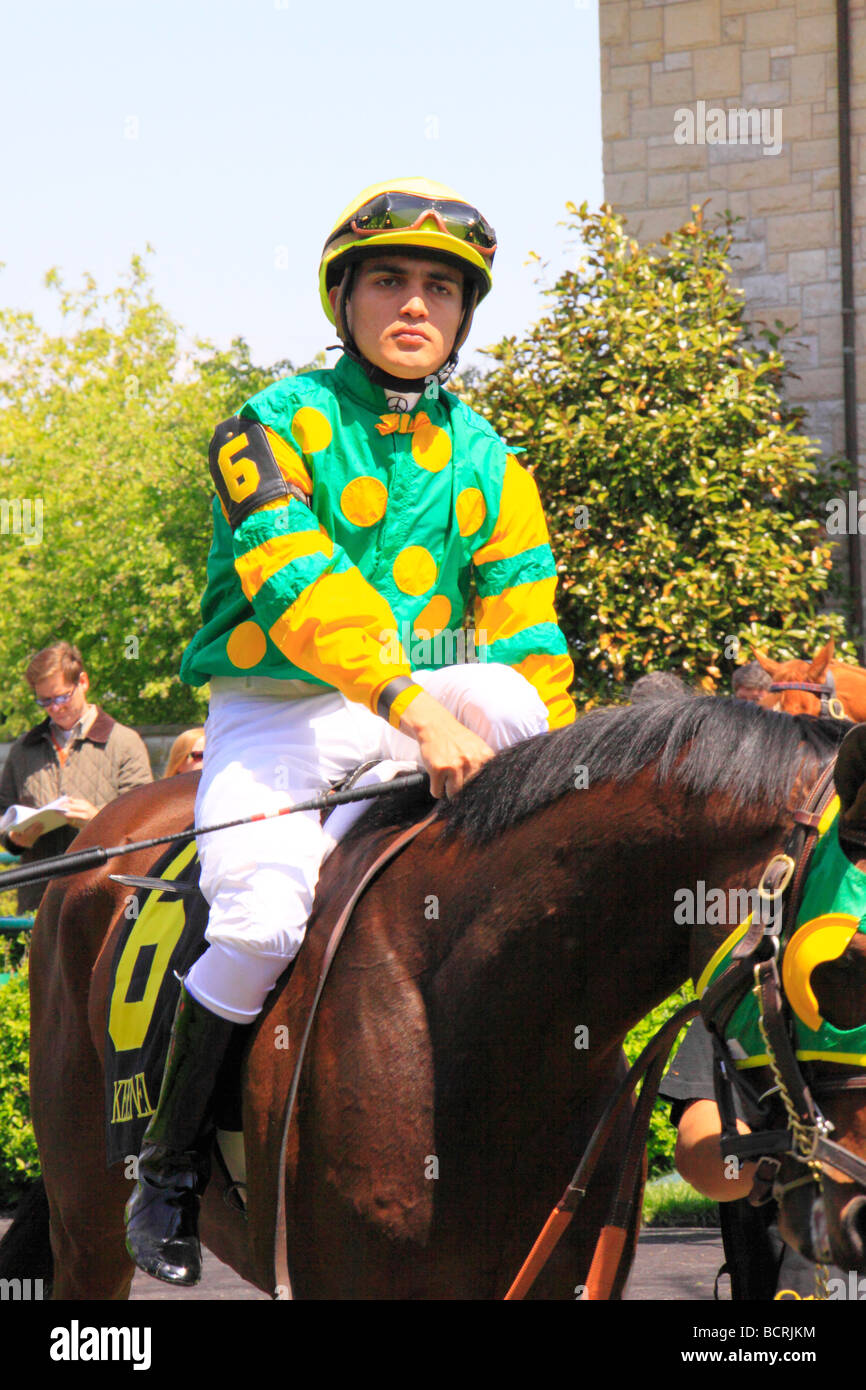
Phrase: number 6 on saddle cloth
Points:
(163, 935)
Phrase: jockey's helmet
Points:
(417, 217)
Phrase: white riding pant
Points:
(263, 752)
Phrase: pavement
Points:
(671, 1266)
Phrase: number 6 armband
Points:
(245, 472)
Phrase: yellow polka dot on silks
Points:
(311, 429)
(246, 646)
(415, 570)
(433, 616)
(363, 501)
(431, 447)
(471, 510)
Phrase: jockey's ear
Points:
(850, 776)
(821, 661)
(771, 667)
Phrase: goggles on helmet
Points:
(408, 211)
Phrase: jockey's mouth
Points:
(411, 332)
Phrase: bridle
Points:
(831, 705)
(755, 966)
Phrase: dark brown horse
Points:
(471, 1028)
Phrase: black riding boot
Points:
(174, 1164)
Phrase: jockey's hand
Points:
(450, 752)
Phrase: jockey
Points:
(353, 507)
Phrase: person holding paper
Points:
(78, 756)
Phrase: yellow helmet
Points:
(412, 214)
(417, 217)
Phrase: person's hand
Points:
(79, 811)
(450, 752)
(26, 839)
(699, 1159)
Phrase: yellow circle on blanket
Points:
(471, 510)
(431, 447)
(312, 429)
(363, 501)
(433, 616)
(415, 570)
(246, 646)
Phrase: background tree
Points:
(107, 427)
(686, 507)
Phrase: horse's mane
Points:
(704, 745)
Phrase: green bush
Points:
(662, 1135)
(687, 510)
(107, 425)
(19, 1162)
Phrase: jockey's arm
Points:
(515, 576)
(450, 752)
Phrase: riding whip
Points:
(80, 860)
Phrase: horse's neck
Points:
(578, 930)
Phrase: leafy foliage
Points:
(19, 1162)
(670, 1201)
(662, 1138)
(685, 505)
(107, 427)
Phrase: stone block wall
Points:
(661, 58)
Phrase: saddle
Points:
(163, 934)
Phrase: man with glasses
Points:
(78, 752)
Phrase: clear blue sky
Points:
(230, 133)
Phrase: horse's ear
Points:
(771, 667)
(821, 661)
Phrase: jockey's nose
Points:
(415, 307)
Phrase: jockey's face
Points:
(404, 313)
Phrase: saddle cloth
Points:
(163, 934)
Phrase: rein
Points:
(754, 966)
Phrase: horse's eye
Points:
(840, 989)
